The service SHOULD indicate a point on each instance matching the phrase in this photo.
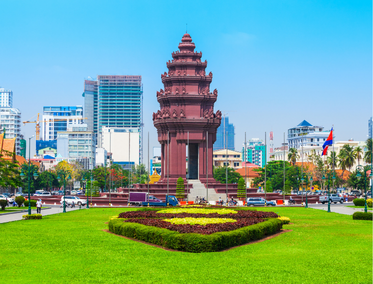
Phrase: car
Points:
(42, 193)
(259, 201)
(5, 197)
(74, 192)
(70, 199)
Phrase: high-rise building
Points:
(57, 118)
(224, 141)
(6, 98)
(255, 149)
(370, 122)
(307, 135)
(77, 143)
(10, 120)
(113, 101)
(122, 144)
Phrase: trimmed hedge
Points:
(369, 202)
(362, 216)
(20, 200)
(32, 216)
(3, 204)
(33, 203)
(359, 201)
(195, 242)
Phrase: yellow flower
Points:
(199, 221)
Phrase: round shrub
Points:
(369, 202)
(359, 201)
(3, 204)
(362, 216)
(20, 200)
(33, 203)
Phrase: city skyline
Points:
(274, 63)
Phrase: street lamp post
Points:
(35, 175)
(302, 181)
(311, 180)
(359, 169)
(64, 176)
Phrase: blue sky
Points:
(275, 63)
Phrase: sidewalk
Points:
(5, 218)
(341, 209)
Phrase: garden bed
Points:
(194, 232)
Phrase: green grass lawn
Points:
(73, 248)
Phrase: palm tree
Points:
(342, 162)
(293, 155)
(332, 160)
(368, 153)
(357, 152)
(349, 156)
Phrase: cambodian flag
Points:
(328, 142)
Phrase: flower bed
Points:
(196, 229)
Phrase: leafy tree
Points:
(332, 160)
(293, 155)
(100, 177)
(220, 175)
(180, 188)
(47, 180)
(268, 186)
(368, 153)
(34, 184)
(9, 172)
(241, 188)
(355, 183)
(138, 174)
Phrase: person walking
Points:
(38, 206)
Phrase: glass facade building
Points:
(114, 101)
(6, 98)
(57, 118)
(227, 141)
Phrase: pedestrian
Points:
(38, 206)
(220, 201)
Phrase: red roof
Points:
(247, 172)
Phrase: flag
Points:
(328, 142)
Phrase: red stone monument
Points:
(186, 116)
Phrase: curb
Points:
(21, 211)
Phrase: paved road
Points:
(5, 218)
(338, 208)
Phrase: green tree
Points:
(220, 175)
(100, 176)
(241, 188)
(34, 184)
(368, 153)
(139, 174)
(293, 155)
(47, 180)
(9, 173)
(332, 160)
(358, 151)
(348, 155)
(180, 188)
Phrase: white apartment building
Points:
(57, 118)
(77, 143)
(6, 98)
(306, 151)
(307, 135)
(10, 120)
(123, 144)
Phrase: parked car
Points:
(333, 198)
(70, 199)
(5, 197)
(42, 193)
(259, 202)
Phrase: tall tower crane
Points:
(37, 121)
